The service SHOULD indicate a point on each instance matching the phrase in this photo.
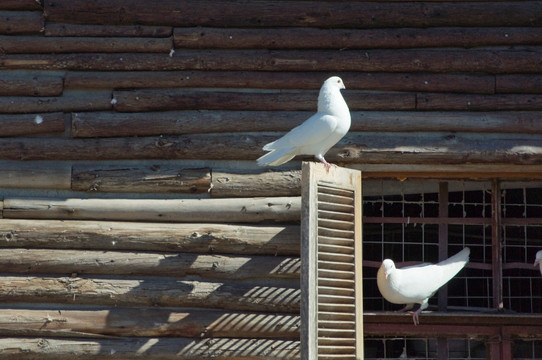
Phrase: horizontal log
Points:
(271, 183)
(469, 83)
(439, 148)
(123, 263)
(149, 322)
(58, 45)
(20, 5)
(246, 210)
(480, 60)
(69, 101)
(31, 124)
(61, 29)
(519, 84)
(150, 348)
(321, 14)
(111, 124)
(319, 38)
(132, 236)
(21, 22)
(157, 178)
(35, 175)
(29, 84)
(268, 100)
(371, 148)
(276, 296)
(479, 102)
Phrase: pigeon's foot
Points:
(416, 316)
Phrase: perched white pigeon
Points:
(316, 135)
(416, 284)
(538, 260)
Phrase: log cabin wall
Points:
(134, 219)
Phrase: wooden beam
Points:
(157, 178)
(479, 60)
(275, 296)
(244, 210)
(69, 101)
(21, 22)
(267, 100)
(130, 263)
(152, 348)
(31, 124)
(383, 81)
(201, 238)
(14, 84)
(112, 124)
(479, 102)
(149, 322)
(321, 14)
(58, 45)
(20, 5)
(518, 83)
(334, 38)
(67, 29)
(32, 175)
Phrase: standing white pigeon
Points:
(538, 260)
(416, 284)
(316, 135)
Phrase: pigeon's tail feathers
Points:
(276, 157)
(451, 266)
(269, 146)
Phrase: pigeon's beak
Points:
(386, 274)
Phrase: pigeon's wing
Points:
(312, 131)
(422, 281)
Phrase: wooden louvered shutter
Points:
(331, 264)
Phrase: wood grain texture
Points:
(245, 210)
(66, 29)
(149, 322)
(21, 22)
(29, 84)
(275, 296)
(322, 14)
(31, 124)
(479, 60)
(72, 101)
(152, 348)
(20, 5)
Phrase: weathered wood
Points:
(366, 147)
(438, 148)
(194, 238)
(149, 348)
(59, 29)
(319, 38)
(20, 5)
(157, 178)
(470, 83)
(109, 124)
(519, 84)
(480, 60)
(322, 14)
(29, 84)
(21, 22)
(58, 45)
(192, 323)
(270, 183)
(34, 175)
(245, 210)
(479, 102)
(69, 101)
(275, 296)
(179, 99)
(31, 124)
(123, 263)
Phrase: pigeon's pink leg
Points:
(326, 164)
(415, 316)
(406, 308)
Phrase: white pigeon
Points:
(316, 135)
(538, 260)
(416, 284)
